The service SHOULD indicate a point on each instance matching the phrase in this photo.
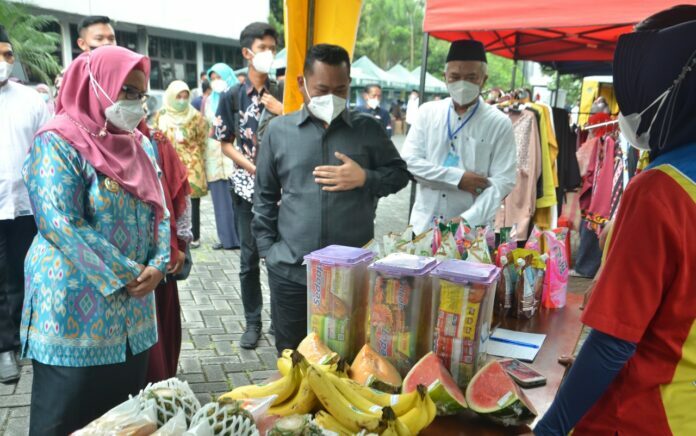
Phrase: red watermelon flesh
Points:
(492, 393)
(443, 390)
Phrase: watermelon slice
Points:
(442, 388)
(493, 394)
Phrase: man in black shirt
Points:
(320, 172)
(372, 95)
(241, 114)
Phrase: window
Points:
(172, 59)
(228, 54)
(128, 40)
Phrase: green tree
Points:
(572, 84)
(277, 20)
(33, 46)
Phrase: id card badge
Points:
(178, 135)
(452, 160)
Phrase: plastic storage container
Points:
(400, 323)
(463, 300)
(337, 287)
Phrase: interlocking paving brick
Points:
(214, 373)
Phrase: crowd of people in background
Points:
(100, 192)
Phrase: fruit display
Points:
(295, 425)
(371, 369)
(399, 308)
(493, 394)
(225, 417)
(463, 298)
(168, 398)
(442, 388)
(314, 350)
(340, 404)
(336, 297)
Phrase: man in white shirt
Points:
(22, 113)
(461, 150)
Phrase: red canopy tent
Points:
(541, 30)
(537, 30)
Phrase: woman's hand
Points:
(178, 264)
(146, 282)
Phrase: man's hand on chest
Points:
(345, 177)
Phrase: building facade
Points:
(181, 37)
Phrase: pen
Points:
(510, 341)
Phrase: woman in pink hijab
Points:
(102, 248)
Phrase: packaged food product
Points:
(463, 299)
(527, 295)
(337, 286)
(399, 308)
(557, 270)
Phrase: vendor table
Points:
(562, 327)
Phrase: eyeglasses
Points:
(134, 93)
(8, 55)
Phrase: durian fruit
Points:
(226, 417)
(168, 397)
(295, 425)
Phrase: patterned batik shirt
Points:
(92, 235)
(250, 110)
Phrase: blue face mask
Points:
(45, 97)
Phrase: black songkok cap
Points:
(467, 50)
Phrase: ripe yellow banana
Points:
(419, 417)
(328, 422)
(302, 403)
(399, 403)
(353, 396)
(394, 426)
(338, 366)
(337, 405)
(284, 387)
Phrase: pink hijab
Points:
(80, 109)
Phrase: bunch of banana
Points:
(302, 402)
(331, 362)
(422, 414)
(349, 416)
(395, 427)
(284, 388)
(357, 407)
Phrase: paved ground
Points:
(213, 319)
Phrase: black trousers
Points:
(196, 218)
(15, 239)
(65, 399)
(288, 311)
(249, 270)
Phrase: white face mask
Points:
(463, 92)
(125, 114)
(5, 70)
(325, 107)
(629, 124)
(263, 61)
(218, 85)
(373, 103)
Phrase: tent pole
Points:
(421, 91)
(310, 24)
(514, 75)
(558, 88)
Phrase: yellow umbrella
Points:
(327, 22)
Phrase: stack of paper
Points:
(518, 345)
